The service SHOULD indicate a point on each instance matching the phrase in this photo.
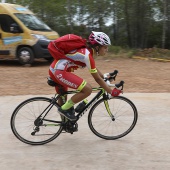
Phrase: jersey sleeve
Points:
(90, 63)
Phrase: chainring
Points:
(70, 127)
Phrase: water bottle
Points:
(81, 106)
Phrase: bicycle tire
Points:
(103, 126)
(23, 117)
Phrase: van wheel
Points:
(25, 55)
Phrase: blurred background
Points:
(129, 23)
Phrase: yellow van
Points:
(22, 35)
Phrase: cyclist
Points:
(61, 72)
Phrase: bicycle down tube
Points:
(92, 101)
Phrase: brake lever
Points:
(112, 76)
(121, 84)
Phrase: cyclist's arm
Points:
(97, 75)
(101, 82)
(90, 63)
(101, 75)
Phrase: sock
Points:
(67, 105)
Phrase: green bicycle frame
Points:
(89, 105)
(95, 98)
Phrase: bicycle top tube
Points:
(77, 91)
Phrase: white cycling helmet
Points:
(99, 38)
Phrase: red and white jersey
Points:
(84, 55)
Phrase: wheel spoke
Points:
(23, 121)
(124, 118)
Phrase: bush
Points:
(115, 49)
(154, 53)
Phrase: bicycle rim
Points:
(123, 119)
(24, 116)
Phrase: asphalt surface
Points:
(147, 147)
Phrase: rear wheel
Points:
(31, 129)
(25, 55)
(112, 119)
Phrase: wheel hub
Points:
(25, 56)
(113, 119)
(38, 122)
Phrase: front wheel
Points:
(112, 118)
(31, 128)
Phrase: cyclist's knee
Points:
(87, 89)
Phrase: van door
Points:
(8, 40)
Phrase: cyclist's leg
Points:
(60, 100)
(85, 91)
(68, 79)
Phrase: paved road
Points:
(146, 147)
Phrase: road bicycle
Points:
(36, 121)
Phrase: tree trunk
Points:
(70, 15)
(164, 23)
(127, 20)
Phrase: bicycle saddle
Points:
(51, 82)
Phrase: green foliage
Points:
(153, 53)
(118, 51)
(115, 49)
(131, 23)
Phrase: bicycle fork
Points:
(108, 110)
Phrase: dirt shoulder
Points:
(139, 76)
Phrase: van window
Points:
(5, 22)
(32, 22)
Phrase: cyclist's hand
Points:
(115, 92)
